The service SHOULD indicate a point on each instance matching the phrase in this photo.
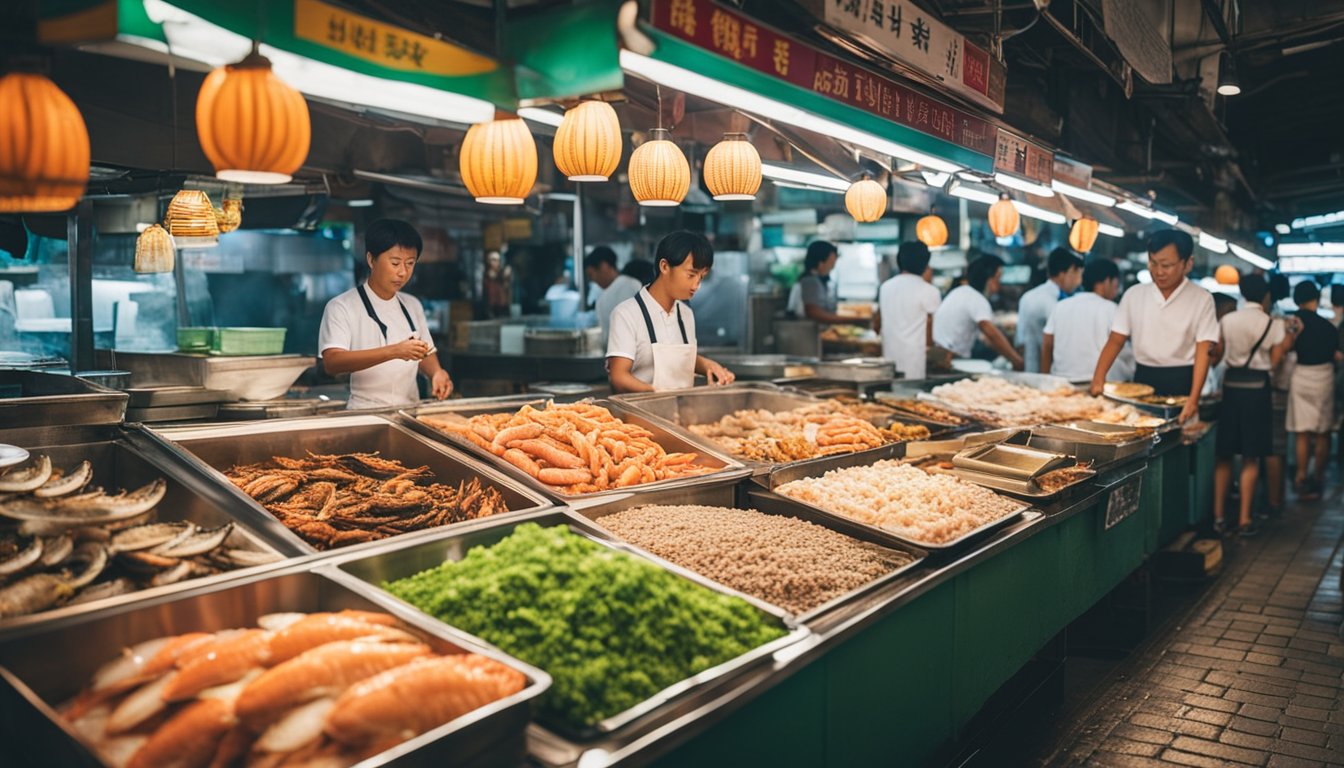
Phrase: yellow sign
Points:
(383, 44)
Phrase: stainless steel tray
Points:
(164, 413)
(1167, 412)
(802, 512)
(1087, 442)
(260, 377)
(762, 367)
(125, 460)
(396, 560)
(1011, 461)
(45, 669)
(212, 449)
(159, 397)
(1025, 488)
(894, 400)
(53, 399)
(727, 469)
(856, 369)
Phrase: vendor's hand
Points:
(1097, 388)
(1190, 411)
(410, 349)
(717, 374)
(441, 384)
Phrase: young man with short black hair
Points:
(1080, 325)
(966, 313)
(1065, 272)
(599, 267)
(906, 304)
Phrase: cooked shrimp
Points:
(189, 739)
(219, 662)
(322, 628)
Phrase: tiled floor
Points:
(1253, 675)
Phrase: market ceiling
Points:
(1241, 163)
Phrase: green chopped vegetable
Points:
(610, 629)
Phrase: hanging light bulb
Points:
(191, 220)
(866, 200)
(498, 161)
(1083, 234)
(659, 173)
(931, 230)
(588, 142)
(44, 146)
(154, 251)
(1003, 217)
(733, 168)
(252, 126)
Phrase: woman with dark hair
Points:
(813, 297)
(651, 346)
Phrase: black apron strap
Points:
(648, 321)
(368, 307)
(682, 325)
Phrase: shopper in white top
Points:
(377, 335)
(652, 345)
(1170, 322)
(1065, 271)
(599, 267)
(906, 304)
(1080, 325)
(965, 313)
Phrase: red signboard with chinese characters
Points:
(734, 36)
(1014, 154)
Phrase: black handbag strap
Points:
(1256, 348)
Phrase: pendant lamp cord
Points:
(659, 90)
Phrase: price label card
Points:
(1123, 502)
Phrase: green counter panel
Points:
(1201, 477)
(889, 691)
(1175, 493)
(1150, 506)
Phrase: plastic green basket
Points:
(195, 339)
(249, 341)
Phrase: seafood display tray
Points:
(769, 501)
(1090, 443)
(1025, 488)
(396, 560)
(799, 511)
(39, 672)
(124, 459)
(213, 449)
(53, 399)
(1014, 462)
(726, 468)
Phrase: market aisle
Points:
(1254, 675)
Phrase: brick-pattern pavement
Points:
(1254, 676)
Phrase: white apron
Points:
(673, 364)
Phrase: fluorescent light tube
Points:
(1110, 230)
(806, 178)
(1051, 217)
(1024, 185)
(1319, 220)
(934, 178)
(1312, 264)
(1251, 258)
(1169, 219)
(1215, 244)
(1282, 229)
(1311, 249)
(807, 187)
(687, 81)
(1086, 195)
(543, 116)
(973, 193)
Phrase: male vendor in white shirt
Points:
(1170, 322)
(377, 335)
(1065, 272)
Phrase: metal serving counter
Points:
(39, 399)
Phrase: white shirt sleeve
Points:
(622, 336)
(1277, 334)
(932, 300)
(1206, 323)
(1121, 324)
(979, 308)
(335, 331)
(1050, 321)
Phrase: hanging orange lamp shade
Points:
(252, 126)
(588, 142)
(733, 168)
(1083, 235)
(498, 161)
(154, 251)
(931, 230)
(191, 220)
(44, 146)
(659, 173)
(1003, 217)
(866, 200)
(1227, 275)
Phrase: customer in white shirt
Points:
(906, 304)
(1170, 322)
(965, 313)
(377, 335)
(1080, 325)
(1065, 271)
(599, 267)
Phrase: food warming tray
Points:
(1012, 461)
(596, 512)
(395, 560)
(41, 671)
(1026, 488)
(856, 370)
(1097, 442)
(727, 469)
(39, 399)
(212, 449)
(124, 459)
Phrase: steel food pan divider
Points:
(120, 459)
(727, 469)
(594, 515)
(395, 560)
(211, 450)
(44, 670)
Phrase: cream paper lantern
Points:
(733, 169)
(588, 142)
(659, 173)
(866, 200)
(498, 161)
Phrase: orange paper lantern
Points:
(931, 231)
(499, 161)
(252, 126)
(659, 173)
(1227, 275)
(866, 200)
(588, 142)
(44, 146)
(1083, 235)
(1003, 217)
(733, 169)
